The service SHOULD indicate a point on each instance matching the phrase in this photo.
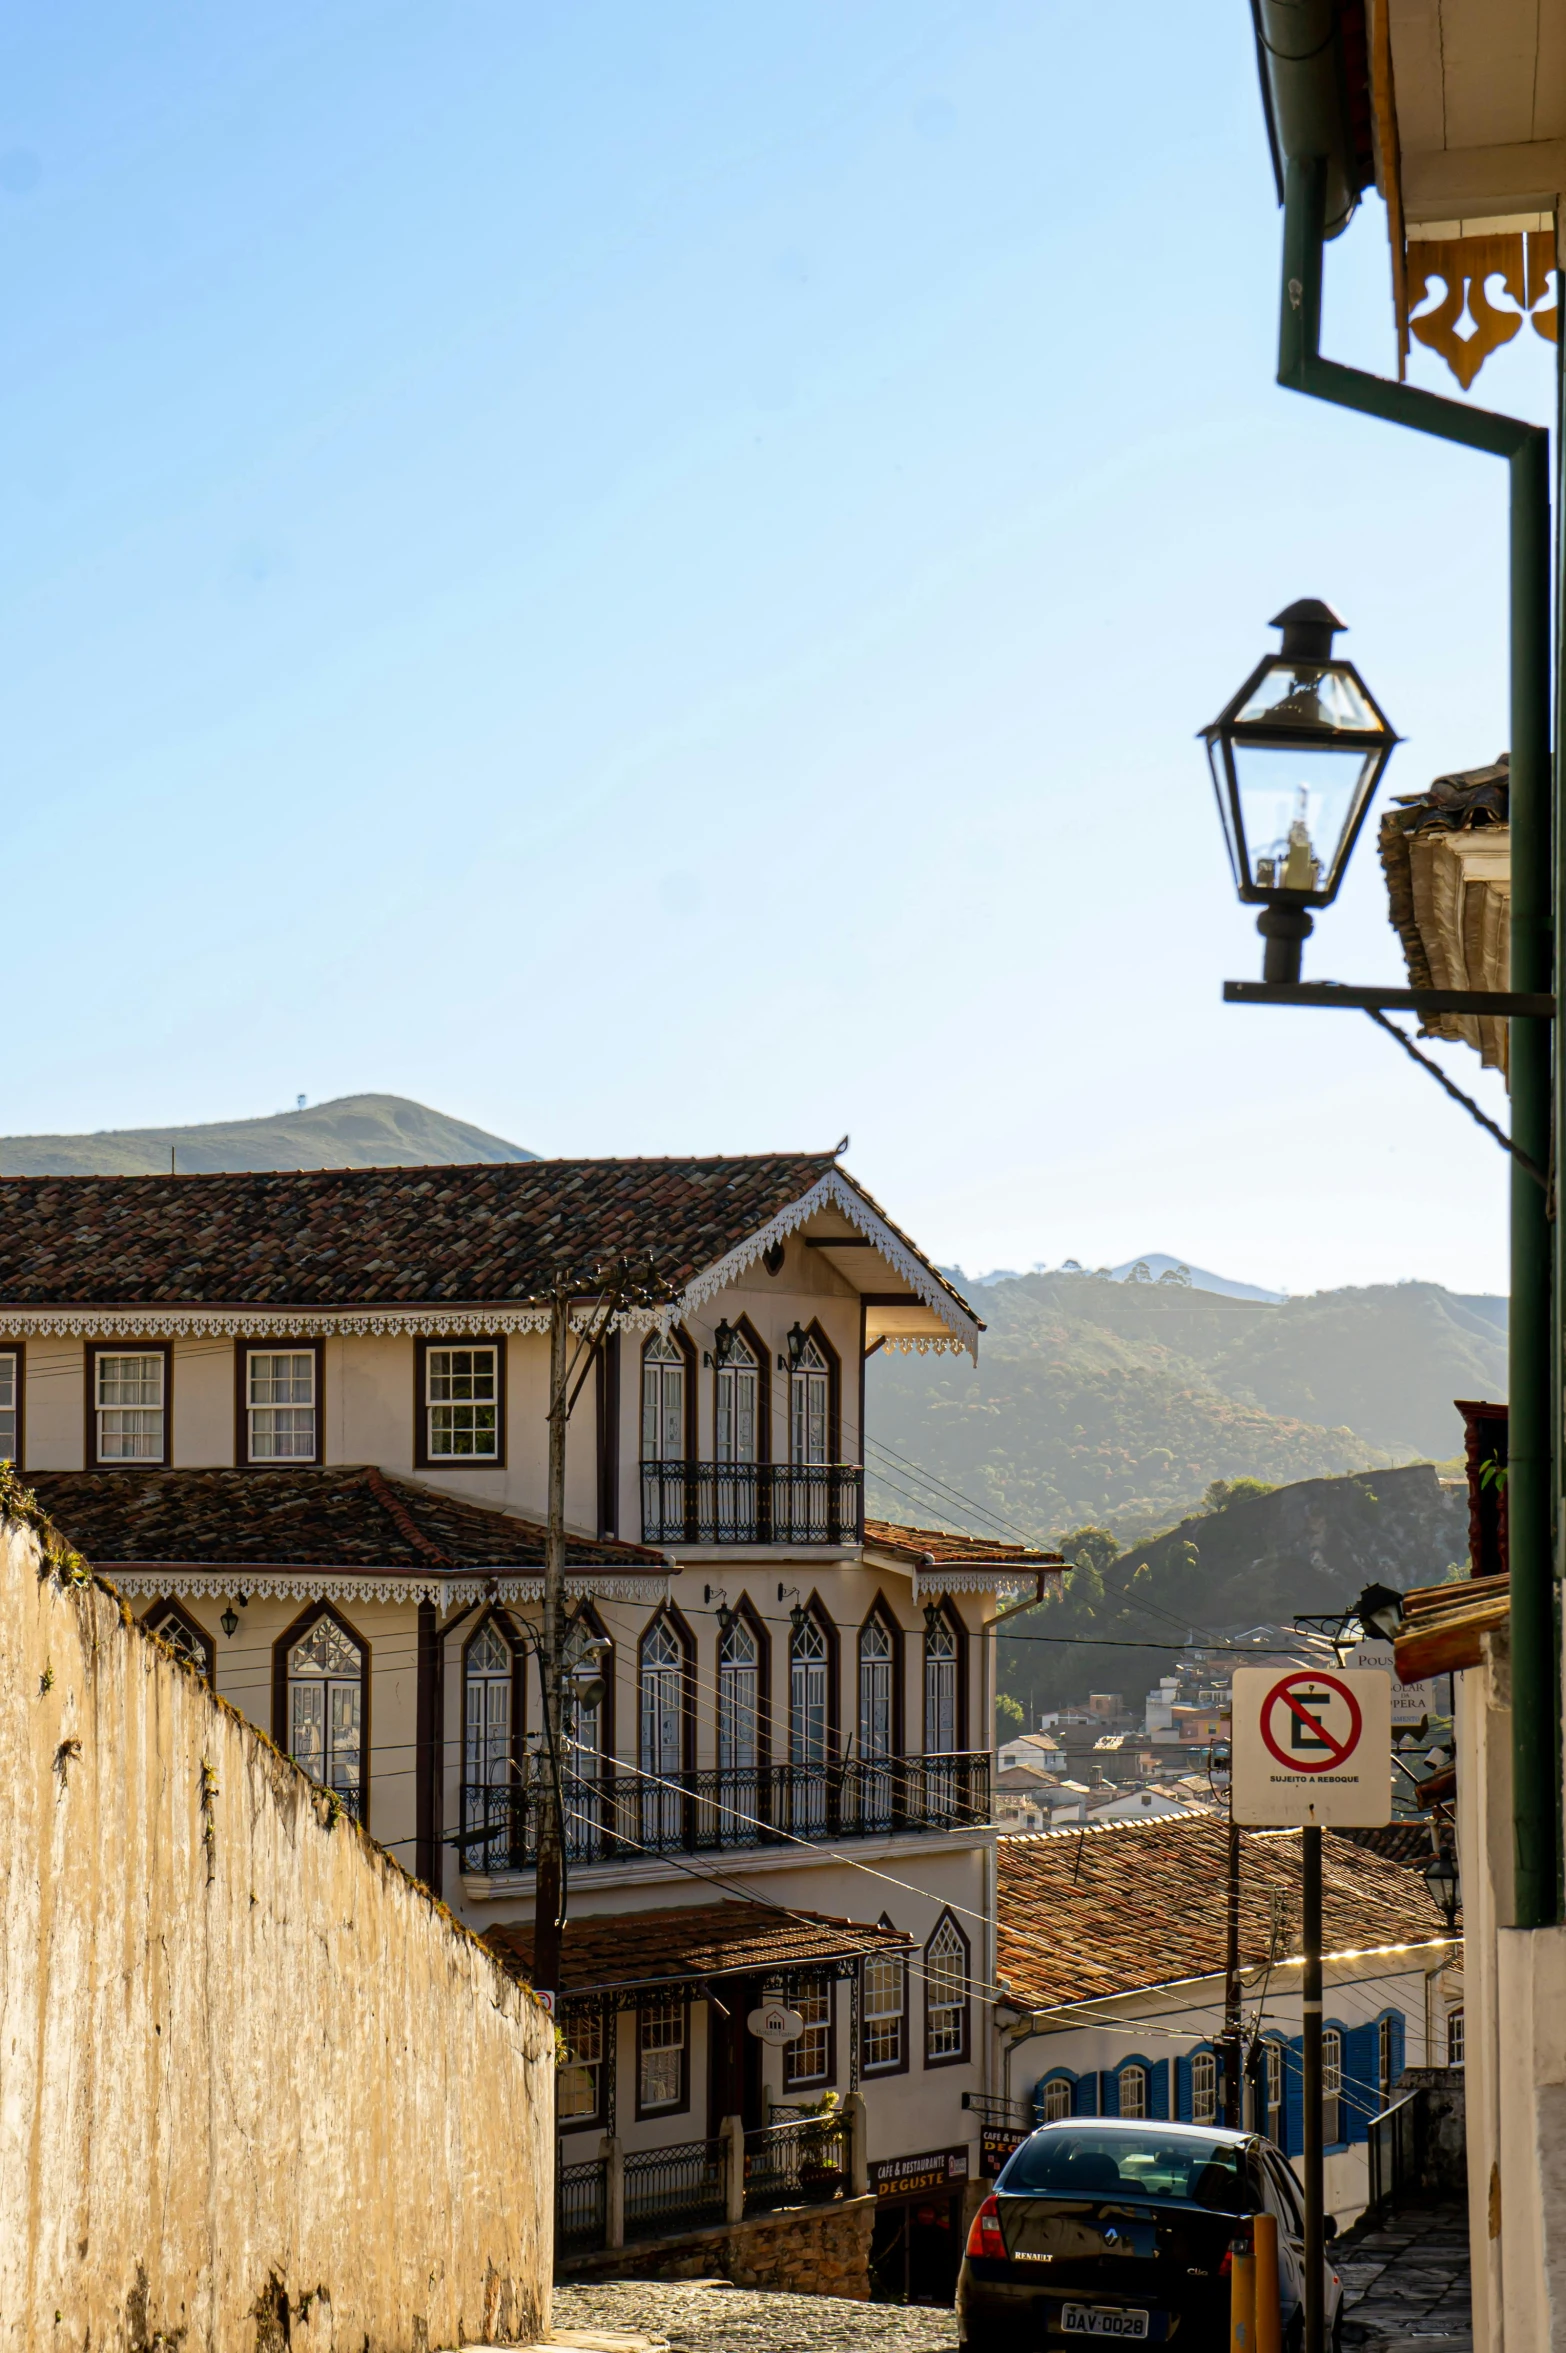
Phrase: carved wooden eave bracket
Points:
(1464, 266)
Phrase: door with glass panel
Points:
(808, 1727)
(940, 1715)
(737, 1413)
(877, 1734)
(325, 1706)
(664, 1501)
(487, 1776)
(809, 1441)
(739, 1734)
(662, 1739)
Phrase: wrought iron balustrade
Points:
(801, 2163)
(673, 2189)
(752, 1503)
(581, 2207)
(618, 1817)
(1392, 2154)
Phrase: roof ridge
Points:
(402, 1518)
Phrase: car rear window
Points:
(1083, 2161)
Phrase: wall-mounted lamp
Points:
(229, 1621)
(798, 1342)
(723, 1344)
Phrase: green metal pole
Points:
(1534, 1347)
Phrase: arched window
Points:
(663, 1400)
(1454, 2036)
(940, 1684)
(1133, 2090)
(326, 1710)
(1273, 2055)
(583, 1733)
(737, 1437)
(809, 1722)
(184, 1637)
(810, 1405)
(1204, 2088)
(739, 1731)
(883, 2043)
(489, 1683)
(1331, 2086)
(1055, 2100)
(1386, 2062)
(945, 1995)
(662, 1697)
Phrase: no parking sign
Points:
(1312, 1746)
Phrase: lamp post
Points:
(1220, 1776)
(1296, 755)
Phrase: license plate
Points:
(1102, 2320)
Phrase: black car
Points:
(1118, 2232)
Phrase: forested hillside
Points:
(1118, 1403)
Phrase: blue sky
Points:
(648, 577)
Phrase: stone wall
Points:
(807, 2250)
(257, 2089)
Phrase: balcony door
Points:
(490, 1683)
(739, 1734)
(736, 1429)
(810, 1444)
(942, 1712)
(664, 1423)
(809, 1721)
(877, 1718)
(662, 1737)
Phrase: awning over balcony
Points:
(685, 1948)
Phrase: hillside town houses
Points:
(299, 1421)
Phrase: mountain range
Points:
(1118, 1403)
(353, 1131)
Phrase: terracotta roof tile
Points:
(1082, 1914)
(950, 1551)
(349, 1518)
(368, 1236)
(695, 1941)
(1444, 1625)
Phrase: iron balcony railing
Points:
(752, 1503)
(620, 1816)
(801, 2163)
(668, 2190)
(1393, 2158)
(581, 2207)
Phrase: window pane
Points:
(130, 1380)
(7, 1383)
(1133, 2091)
(460, 1375)
(282, 1434)
(283, 1380)
(325, 1650)
(130, 1437)
(1057, 2100)
(806, 2060)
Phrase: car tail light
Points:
(984, 2233)
(1227, 2265)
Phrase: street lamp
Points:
(1380, 1611)
(1295, 757)
(1442, 1880)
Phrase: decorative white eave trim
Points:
(298, 1323)
(455, 1589)
(1006, 1584)
(836, 1191)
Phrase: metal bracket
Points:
(1503, 1004)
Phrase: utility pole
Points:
(1233, 2046)
(549, 1885)
(1315, 2235)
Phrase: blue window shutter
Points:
(1158, 2090)
(1184, 2103)
(1110, 2083)
(1293, 2098)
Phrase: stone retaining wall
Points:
(807, 2250)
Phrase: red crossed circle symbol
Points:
(1336, 1752)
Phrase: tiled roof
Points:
(301, 1518)
(950, 1552)
(1444, 1625)
(693, 1942)
(389, 1236)
(1082, 1914)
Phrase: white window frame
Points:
(1273, 2089)
(1454, 2036)
(1331, 2086)
(149, 1411)
(884, 2014)
(336, 1763)
(662, 2029)
(579, 2078)
(262, 1416)
(440, 1366)
(1056, 2099)
(11, 1405)
(664, 1400)
(945, 1995)
(1204, 2087)
(810, 1407)
(1133, 2089)
(809, 2060)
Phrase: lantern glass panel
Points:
(1298, 810)
(1296, 694)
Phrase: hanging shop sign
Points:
(996, 2143)
(776, 2023)
(915, 2177)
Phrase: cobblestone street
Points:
(1408, 2284)
(692, 2316)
